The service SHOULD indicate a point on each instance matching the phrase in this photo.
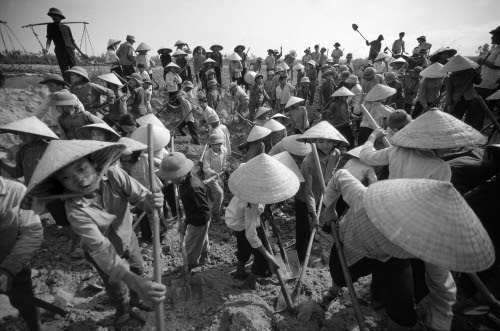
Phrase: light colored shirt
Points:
(283, 94)
(252, 222)
(111, 58)
(270, 62)
(207, 112)
(214, 163)
(172, 80)
(140, 172)
(361, 171)
(221, 129)
(489, 75)
(336, 55)
(147, 61)
(355, 100)
(378, 112)
(105, 217)
(407, 162)
(235, 214)
(21, 230)
(380, 66)
(361, 238)
(240, 95)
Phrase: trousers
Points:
(218, 196)
(21, 298)
(192, 130)
(302, 228)
(197, 243)
(65, 59)
(245, 250)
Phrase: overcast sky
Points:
(263, 24)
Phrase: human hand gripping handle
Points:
(147, 290)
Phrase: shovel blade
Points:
(355, 27)
(293, 263)
(181, 289)
(280, 303)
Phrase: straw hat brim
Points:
(494, 96)
(30, 125)
(342, 92)
(292, 101)
(182, 171)
(264, 180)
(261, 111)
(84, 131)
(61, 153)
(436, 129)
(433, 71)
(322, 130)
(131, 145)
(234, 57)
(258, 132)
(379, 92)
(149, 119)
(295, 147)
(274, 126)
(111, 78)
(430, 220)
(161, 136)
(81, 74)
(355, 151)
(289, 162)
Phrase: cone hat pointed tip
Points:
(274, 125)
(287, 159)
(380, 92)
(258, 132)
(322, 130)
(30, 125)
(291, 145)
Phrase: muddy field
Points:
(69, 281)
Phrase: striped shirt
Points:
(361, 171)
(214, 163)
(27, 158)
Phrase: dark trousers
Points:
(118, 293)
(172, 98)
(302, 228)
(408, 107)
(21, 298)
(417, 110)
(477, 111)
(57, 210)
(363, 134)
(146, 231)
(312, 92)
(192, 130)
(398, 284)
(127, 70)
(169, 194)
(65, 59)
(245, 250)
(218, 75)
(474, 116)
(346, 131)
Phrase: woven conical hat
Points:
(279, 115)
(179, 42)
(263, 179)
(169, 50)
(293, 100)
(161, 136)
(298, 66)
(262, 111)
(398, 60)
(284, 66)
(84, 131)
(111, 78)
(258, 132)
(234, 57)
(209, 60)
(436, 129)
(379, 92)
(131, 145)
(171, 64)
(179, 52)
(291, 145)
(113, 41)
(458, 63)
(287, 159)
(61, 153)
(30, 125)
(450, 52)
(274, 125)
(494, 96)
(381, 56)
(433, 71)
(342, 92)
(355, 151)
(322, 130)
(143, 47)
(430, 220)
(149, 119)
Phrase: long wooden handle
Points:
(159, 308)
(375, 124)
(489, 113)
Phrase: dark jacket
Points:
(195, 200)
(61, 35)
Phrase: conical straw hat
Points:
(262, 111)
(209, 60)
(113, 41)
(322, 130)
(342, 92)
(279, 115)
(458, 63)
(143, 47)
(250, 77)
(494, 96)
(293, 100)
(355, 151)
(258, 132)
(430, 220)
(379, 92)
(287, 159)
(161, 136)
(433, 71)
(84, 131)
(31, 125)
(398, 60)
(298, 66)
(169, 50)
(381, 56)
(61, 153)
(234, 57)
(179, 42)
(274, 125)
(284, 66)
(263, 179)
(291, 145)
(111, 78)
(171, 64)
(131, 145)
(179, 52)
(436, 129)
(149, 119)
(449, 52)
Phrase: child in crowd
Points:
(187, 116)
(312, 74)
(101, 216)
(216, 127)
(97, 132)
(339, 115)
(241, 98)
(257, 95)
(214, 165)
(145, 59)
(206, 109)
(72, 117)
(119, 107)
(88, 93)
(147, 85)
(303, 89)
(298, 114)
(173, 80)
(213, 95)
(138, 106)
(270, 87)
(192, 192)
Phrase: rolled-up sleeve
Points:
(252, 221)
(308, 173)
(28, 241)
(373, 157)
(345, 184)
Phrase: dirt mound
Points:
(244, 312)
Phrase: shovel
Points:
(181, 286)
(355, 27)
